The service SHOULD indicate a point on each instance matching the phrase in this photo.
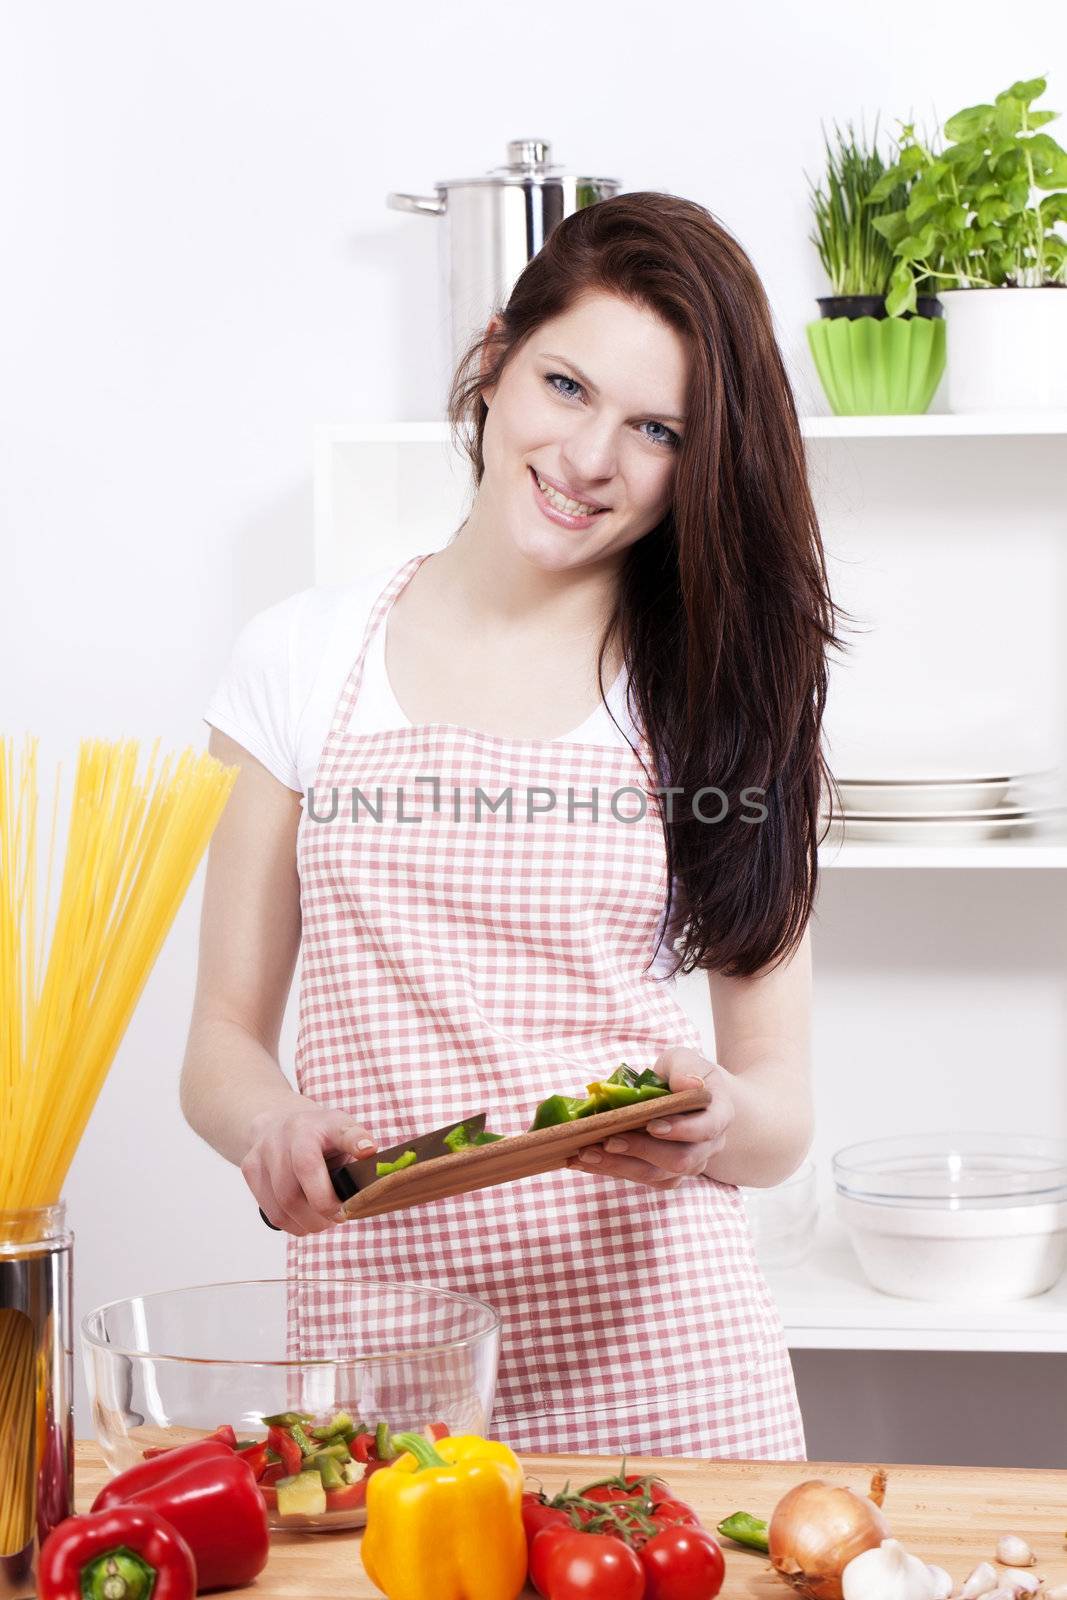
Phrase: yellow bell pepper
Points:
(444, 1521)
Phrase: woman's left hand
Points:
(675, 1146)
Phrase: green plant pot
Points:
(871, 367)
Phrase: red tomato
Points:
(682, 1563)
(541, 1548)
(591, 1566)
(538, 1514)
(655, 1488)
(669, 1511)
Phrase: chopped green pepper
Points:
(744, 1529)
(339, 1425)
(461, 1139)
(609, 1096)
(285, 1419)
(408, 1159)
(384, 1448)
(560, 1108)
(308, 1447)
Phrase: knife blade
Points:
(356, 1175)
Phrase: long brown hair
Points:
(723, 609)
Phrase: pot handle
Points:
(425, 205)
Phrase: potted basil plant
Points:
(982, 221)
(868, 362)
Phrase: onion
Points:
(817, 1529)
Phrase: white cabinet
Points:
(941, 971)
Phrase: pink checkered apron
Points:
(461, 963)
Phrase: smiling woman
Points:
(641, 520)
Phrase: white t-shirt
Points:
(290, 662)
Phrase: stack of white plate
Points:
(946, 809)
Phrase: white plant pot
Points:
(1007, 349)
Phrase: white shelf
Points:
(928, 426)
(937, 425)
(827, 1304)
(1021, 855)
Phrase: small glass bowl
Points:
(782, 1219)
(954, 1171)
(164, 1369)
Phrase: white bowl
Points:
(970, 1217)
(982, 1256)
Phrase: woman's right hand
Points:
(293, 1149)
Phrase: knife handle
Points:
(343, 1188)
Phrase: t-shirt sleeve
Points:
(253, 700)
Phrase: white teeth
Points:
(573, 508)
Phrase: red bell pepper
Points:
(161, 1465)
(213, 1501)
(124, 1553)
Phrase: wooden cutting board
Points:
(948, 1515)
(519, 1156)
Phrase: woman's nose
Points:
(589, 456)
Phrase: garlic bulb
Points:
(888, 1572)
(942, 1580)
(983, 1580)
(1014, 1552)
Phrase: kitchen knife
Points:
(356, 1175)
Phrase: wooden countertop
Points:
(948, 1515)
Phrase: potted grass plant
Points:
(868, 361)
(983, 222)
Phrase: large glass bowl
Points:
(164, 1369)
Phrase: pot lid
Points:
(529, 161)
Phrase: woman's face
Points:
(593, 405)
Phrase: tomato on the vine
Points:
(682, 1563)
(541, 1549)
(538, 1514)
(587, 1566)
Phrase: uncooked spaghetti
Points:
(133, 846)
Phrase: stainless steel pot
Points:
(494, 224)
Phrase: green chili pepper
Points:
(744, 1529)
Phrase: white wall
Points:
(198, 266)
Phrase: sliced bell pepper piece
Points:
(226, 1433)
(408, 1159)
(255, 1456)
(286, 1448)
(560, 1108)
(127, 1551)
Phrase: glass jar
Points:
(36, 1389)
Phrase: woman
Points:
(641, 521)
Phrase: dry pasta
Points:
(17, 1429)
(133, 846)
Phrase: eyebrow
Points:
(590, 385)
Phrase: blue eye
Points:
(666, 436)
